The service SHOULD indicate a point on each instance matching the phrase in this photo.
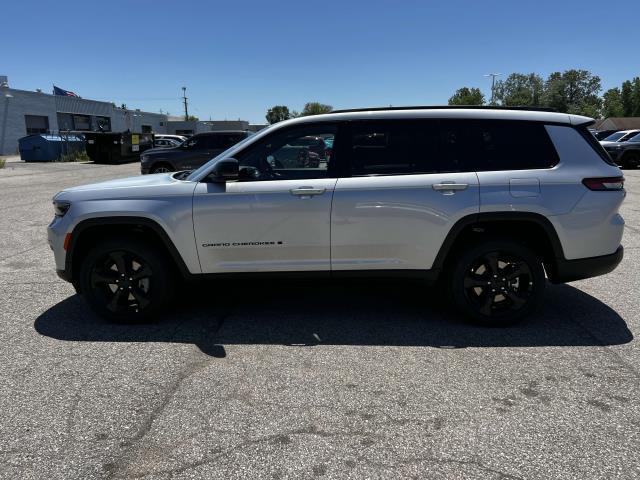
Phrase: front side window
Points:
(284, 155)
(195, 143)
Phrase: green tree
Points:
(277, 113)
(315, 108)
(467, 96)
(519, 89)
(192, 118)
(626, 97)
(612, 103)
(573, 91)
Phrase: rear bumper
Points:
(571, 270)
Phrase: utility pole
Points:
(184, 99)
(493, 86)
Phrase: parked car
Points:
(192, 153)
(602, 134)
(166, 143)
(316, 145)
(471, 198)
(621, 136)
(177, 138)
(627, 153)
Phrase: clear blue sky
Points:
(237, 58)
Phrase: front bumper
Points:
(571, 270)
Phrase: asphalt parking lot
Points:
(361, 379)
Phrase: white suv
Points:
(487, 201)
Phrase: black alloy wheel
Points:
(498, 283)
(125, 280)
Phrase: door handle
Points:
(449, 187)
(307, 191)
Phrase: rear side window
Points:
(488, 145)
(595, 144)
(393, 148)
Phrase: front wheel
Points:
(497, 283)
(126, 280)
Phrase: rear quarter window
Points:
(510, 145)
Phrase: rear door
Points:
(406, 187)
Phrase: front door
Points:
(277, 216)
(407, 187)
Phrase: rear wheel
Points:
(125, 280)
(162, 168)
(497, 282)
(630, 160)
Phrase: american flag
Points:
(64, 93)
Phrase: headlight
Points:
(60, 208)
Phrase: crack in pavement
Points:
(122, 463)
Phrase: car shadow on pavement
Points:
(347, 312)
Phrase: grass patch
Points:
(77, 156)
(2, 162)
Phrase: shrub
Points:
(2, 161)
(76, 156)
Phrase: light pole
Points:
(5, 116)
(493, 86)
(184, 99)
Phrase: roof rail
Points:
(445, 107)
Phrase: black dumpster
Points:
(48, 148)
(117, 147)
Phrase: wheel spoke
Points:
(142, 300)
(108, 277)
(115, 304)
(491, 262)
(142, 272)
(474, 282)
(119, 260)
(485, 304)
(516, 300)
(515, 270)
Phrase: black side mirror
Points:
(225, 170)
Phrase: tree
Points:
(192, 118)
(573, 91)
(467, 96)
(315, 108)
(277, 113)
(612, 103)
(519, 89)
(626, 97)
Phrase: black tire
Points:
(126, 280)
(162, 168)
(630, 160)
(497, 283)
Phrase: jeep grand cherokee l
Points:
(489, 202)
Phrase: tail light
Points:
(604, 183)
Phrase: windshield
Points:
(614, 137)
(227, 153)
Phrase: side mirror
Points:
(224, 170)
